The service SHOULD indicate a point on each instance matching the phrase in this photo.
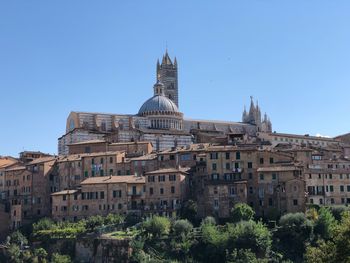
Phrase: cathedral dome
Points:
(158, 103)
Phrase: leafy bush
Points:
(209, 220)
(189, 211)
(132, 219)
(337, 211)
(18, 239)
(43, 224)
(157, 226)
(113, 219)
(296, 229)
(250, 235)
(241, 212)
(325, 223)
(94, 221)
(182, 227)
(57, 258)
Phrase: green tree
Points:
(323, 252)
(113, 219)
(41, 254)
(213, 243)
(94, 221)
(157, 226)
(324, 223)
(209, 220)
(295, 229)
(244, 256)
(341, 238)
(241, 212)
(189, 211)
(14, 253)
(132, 219)
(337, 211)
(182, 227)
(44, 224)
(18, 238)
(57, 258)
(250, 235)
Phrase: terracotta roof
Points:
(34, 152)
(88, 142)
(130, 143)
(277, 169)
(188, 148)
(43, 160)
(102, 113)
(217, 122)
(70, 157)
(7, 161)
(76, 157)
(303, 136)
(144, 157)
(65, 192)
(114, 179)
(16, 168)
(170, 170)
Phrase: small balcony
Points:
(237, 170)
(135, 194)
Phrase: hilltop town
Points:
(158, 163)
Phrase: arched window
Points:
(103, 126)
(71, 125)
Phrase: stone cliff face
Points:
(96, 250)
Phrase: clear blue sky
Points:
(59, 56)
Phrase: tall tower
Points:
(167, 74)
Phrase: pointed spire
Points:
(175, 62)
(244, 115)
(252, 106)
(166, 59)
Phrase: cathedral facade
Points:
(158, 120)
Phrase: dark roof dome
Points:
(158, 103)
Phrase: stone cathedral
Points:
(167, 74)
(159, 120)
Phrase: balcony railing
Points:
(135, 194)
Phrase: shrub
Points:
(209, 220)
(182, 227)
(157, 226)
(241, 212)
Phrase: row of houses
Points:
(98, 178)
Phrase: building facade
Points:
(158, 121)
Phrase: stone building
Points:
(167, 74)
(99, 196)
(158, 120)
(294, 139)
(254, 117)
(328, 178)
(166, 189)
(28, 188)
(226, 175)
(130, 148)
(6, 162)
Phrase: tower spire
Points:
(167, 74)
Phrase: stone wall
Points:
(95, 250)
